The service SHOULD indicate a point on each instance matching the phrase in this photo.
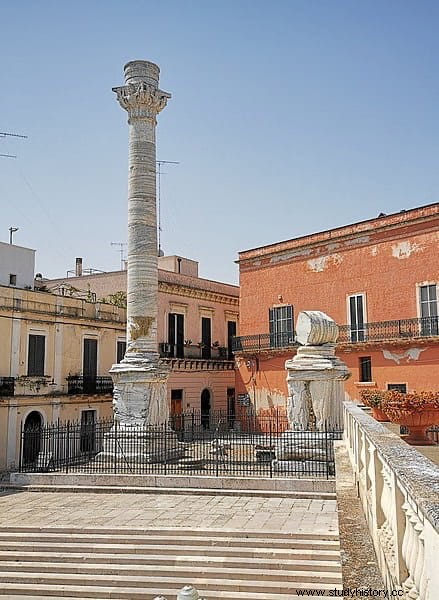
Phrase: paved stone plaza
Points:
(124, 510)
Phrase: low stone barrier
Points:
(399, 492)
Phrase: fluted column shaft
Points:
(143, 100)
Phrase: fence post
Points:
(270, 447)
(68, 447)
(20, 458)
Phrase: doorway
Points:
(177, 409)
(205, 408)
(32, 436)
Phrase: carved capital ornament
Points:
(141, 100)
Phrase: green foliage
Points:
(118, 299)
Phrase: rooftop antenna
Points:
(12, 230)
(4, 134)
(159, 164)
(121, 246)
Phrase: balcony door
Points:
(176, 334)
(356, 310)
(281, 326)
(206, 337)
(231, 333)
(90, 365)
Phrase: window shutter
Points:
(271, 319)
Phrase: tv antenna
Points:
(159, 172)
(4, 134)
(121, 250)
(12, 230)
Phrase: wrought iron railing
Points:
(200, 351)
(390, 330)
(82, 384)
(263, 341)
(369, 332)
(214, 444)
(7, 385)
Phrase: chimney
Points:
(78, 267)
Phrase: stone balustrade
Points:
(399, 491)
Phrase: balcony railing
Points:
(77, 309)
(263, 341)
(7, 385)
(199, 351)
(370, 332)
(79, 384)
(390, 330)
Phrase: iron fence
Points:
(83, 384)
(190, 443)
(7, 386)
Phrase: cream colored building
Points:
(58, 345)
(55, 354)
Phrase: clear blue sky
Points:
(287, 117)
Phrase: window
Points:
(120, 351)
(12, 279)
(281, 326)
(35, 357)
(365, 368)
(397, 387)
(356, 317)
(176, 334)
(428, 302)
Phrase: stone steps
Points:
(308, 560)
(27, 592)
(97, 563)
(120, 489)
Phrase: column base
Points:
(135, 445)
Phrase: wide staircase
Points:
(133, 564)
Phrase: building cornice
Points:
(189, 292)
(365, 233)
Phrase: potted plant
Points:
(417, 410)
(374, 400)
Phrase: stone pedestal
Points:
(315, 384)
(141, 413)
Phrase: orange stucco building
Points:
(378, 279)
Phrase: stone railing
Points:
(399, 491)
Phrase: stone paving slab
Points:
(77, 510)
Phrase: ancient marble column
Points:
(140, 379)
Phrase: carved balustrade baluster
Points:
(386, 532)
(413, 554)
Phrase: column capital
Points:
(141, 100)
